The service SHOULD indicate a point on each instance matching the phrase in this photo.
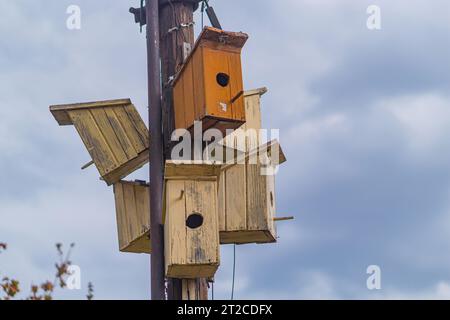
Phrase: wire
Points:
(234, 272)
(203, 14)
(212, 290)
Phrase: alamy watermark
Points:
(73, 280)
(374, 19)
(73, 21)
(229, 147)
(374, 279)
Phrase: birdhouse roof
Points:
(113, 132)
(268, 149)
(61, 112)
(216, 39)
(212, 37)
(254, 92)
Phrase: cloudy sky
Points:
(365, 124)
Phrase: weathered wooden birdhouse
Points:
(113, 133)
(209, 87)
(133, 216)
(191, 221)
(246, 197)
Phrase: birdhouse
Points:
(209, 87)
(191, 224)
(246, 197)
(113, 133)
(133, 216)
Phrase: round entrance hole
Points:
(194, 221)
(223, 79)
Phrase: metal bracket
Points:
(140, 15)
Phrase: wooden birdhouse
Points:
(113, 133)
(133, 216)
(246, 197)
(209, 87)
(191, 222)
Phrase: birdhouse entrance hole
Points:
(223, 79)
(194, 221)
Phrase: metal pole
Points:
(156, 151)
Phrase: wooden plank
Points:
(139, 124)
(139, 245)
(120, 216)
(175, 169)
(188, 90)
(125, 142)
(253, 112)
(61, 112)
(203, 242)
(129, 129)
(109, 134)
(217, 97)
(175, 225)
(221, 201)
(246, 237)
(131, 210)
(199, 86)
(93, 140)
(127, 168)
(260, 92)
(236, 86)
(257, 205)
(178, 98)
(236, 209)
(271, 205)
(142, 208)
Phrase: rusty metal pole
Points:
(156, 151)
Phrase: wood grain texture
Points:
(186, 169)
(197, 93)
(140, 128)
(236, 86)
(221, 201)
(235, 202)
(61, 112)
(109, 134)
(122, 136)
(218, 98)
(189, 100)
(129, 129)
(199, 84)
(93, 140)
(132, 214)
(246, 216)
(257, 196)
(175, 226)
(124, 170)
(191, 253)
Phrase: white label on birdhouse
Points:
(223, 106)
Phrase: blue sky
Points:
(364, 118)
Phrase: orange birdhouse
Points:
(209, 87)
